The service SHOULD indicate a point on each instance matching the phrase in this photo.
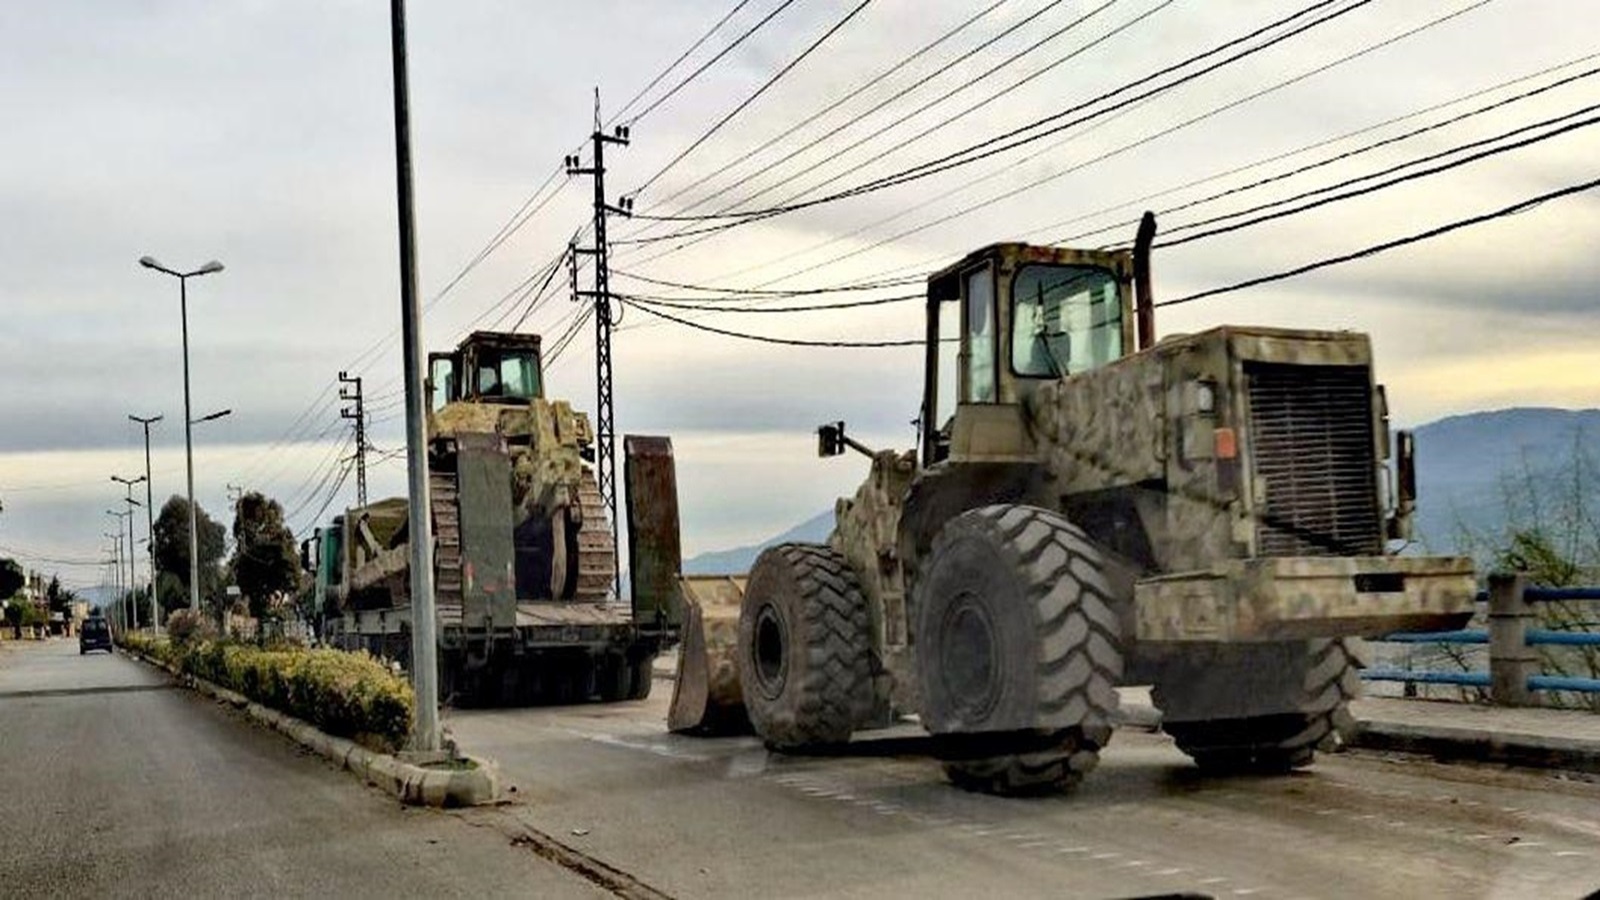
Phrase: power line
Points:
(706, 135)
(952, 119)
(679, 61)
(976, 152)
(672, 303)
(847, 97)
(1513, 209)
(712, 61)
(1365, 148)
(768, 339)
(1032, 185)
(755, 292)
(949, 66)
(1412, 176)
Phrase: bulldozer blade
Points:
(706, 697)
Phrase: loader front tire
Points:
(1018, 643)
(804, 647)
(1273, 743)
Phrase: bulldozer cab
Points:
(1004, 320)
(487, 367)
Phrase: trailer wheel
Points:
(1273, 743)
(643, 676)
(804, 643)
(1017, 642)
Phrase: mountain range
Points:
(1473, 472)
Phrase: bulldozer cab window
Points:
(979, 383)
(510, 374)
(442, 378)
(1065, 320)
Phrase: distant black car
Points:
(94, 635)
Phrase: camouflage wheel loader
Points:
(524, 556)
(1210, 515)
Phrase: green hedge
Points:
(350, 695)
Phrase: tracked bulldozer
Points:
(524, 555)
(1211, 514)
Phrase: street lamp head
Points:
(149, 262)
(143, 421)
(216, 415)
(208, 268)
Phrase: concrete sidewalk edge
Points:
(412, 784)
(1455, 744)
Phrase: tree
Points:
(172, 552)
(265, 565)
(11, 578)
(60, 599)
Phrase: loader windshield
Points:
(1064, 320)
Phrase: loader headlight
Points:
(1205, 397)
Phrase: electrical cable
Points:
(1359, 192)
(851, 95)
(710, 62)
(768, 339)
(1514, 209)
(706, 135)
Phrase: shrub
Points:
(351, 695)
(186, 626)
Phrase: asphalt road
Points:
(114, 783)
(697, 817)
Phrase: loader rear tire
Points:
(804, 648)
(1018, 640)
(1276, 743)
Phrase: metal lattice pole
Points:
(604, 414)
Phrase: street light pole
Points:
(188, 438)
(116, 566)
(150, 519)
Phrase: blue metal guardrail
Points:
(1534, 636)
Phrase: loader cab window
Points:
(512, 373)
(978, 318)
(1065, 320)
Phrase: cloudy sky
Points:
(260, 133)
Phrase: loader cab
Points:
(1005, 320)
(487, 367)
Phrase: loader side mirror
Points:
(305, 554)
(1406, 486)
(830, 439)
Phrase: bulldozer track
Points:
(444, 501)
(597, 544)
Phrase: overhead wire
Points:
(744, 104)
(1520, 206)
(1019, 137)
(712, 61)
(1306, 148)
(859, 89)
(1381, 185)
(769, 339)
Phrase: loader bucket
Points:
(706, 698)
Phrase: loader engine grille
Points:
(1311, 430)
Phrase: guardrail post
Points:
(1511, 660)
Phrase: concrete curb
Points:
(1455, 744)
(413, 784)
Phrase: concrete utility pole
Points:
(188, 422)
(114, 610)
(424, 650)
(358, 412)
(133, 576)
(150, 519)
(605, 429)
